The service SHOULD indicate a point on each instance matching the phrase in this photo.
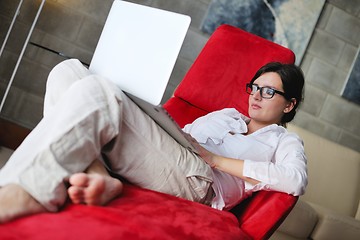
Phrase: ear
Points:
(290, 105)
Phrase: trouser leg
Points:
(66, 140)
(92, 116)
(148, 157)
(61, 77)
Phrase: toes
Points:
(76, 194)
(79, 179)
(79, 182)
(93, 189)
(86, 189)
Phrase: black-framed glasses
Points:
(265, 92)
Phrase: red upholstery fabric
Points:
(260, 215)
(137, 214)
(183, 112)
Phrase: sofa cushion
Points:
(333, 226)
(300, 222)
(137, 214)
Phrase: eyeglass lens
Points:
(265, 92)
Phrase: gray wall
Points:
(73, 27)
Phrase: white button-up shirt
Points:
(271, 155)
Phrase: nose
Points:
(257, 95)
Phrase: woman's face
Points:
(268, 111)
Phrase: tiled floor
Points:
(5, 153)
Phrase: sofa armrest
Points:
(333, 225)
(261, 214)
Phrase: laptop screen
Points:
(138, 48)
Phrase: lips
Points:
(255, 106)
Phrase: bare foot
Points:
(16, 202)
(93, 189)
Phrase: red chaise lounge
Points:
(216, 80)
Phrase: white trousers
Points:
(87, 117)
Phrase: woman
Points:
(89, 123)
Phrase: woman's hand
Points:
(207, 156)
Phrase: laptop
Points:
(137, 50)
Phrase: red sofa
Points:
(216, 80)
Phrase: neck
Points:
(253, 126)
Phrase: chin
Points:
(253, 113)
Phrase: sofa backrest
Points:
(334, 174)
(228, 61)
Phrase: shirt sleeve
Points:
(217, 125)
(286, 173)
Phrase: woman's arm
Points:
(288, 170)
(232, 166)
(228, 165)
(287, 174)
